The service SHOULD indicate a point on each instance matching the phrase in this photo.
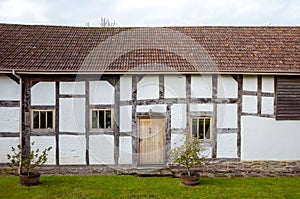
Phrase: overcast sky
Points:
(151, 12)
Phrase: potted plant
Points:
(27, 164)
(188, 155)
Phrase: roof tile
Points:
(183, 49)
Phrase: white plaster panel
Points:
(101, 92)
(148, 87)
(72, 115)
(101, 149)
(44, 142)
(125, 118)
(249, 104)
(177, 140)
(43, 93)
(227, 116)
(162, 108)
(174, 86)
(9, 89)
(268, 84)
(201, 107)
(250, 83)
(178, 116)
(201, 86)
(268, 139)
(125, 87)
(125, 150)
(72, 149)
(227, 145)
(207, 153)
(267, 105)
(5, 147)
(9, 119)
(72, 88)
(227, 87)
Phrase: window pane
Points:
(36, 119)
(108, 119)
(49, 119)
(94, 119)
(201, 130)
(207, 128)
(101, 119)
(43, 119)
(194, 127)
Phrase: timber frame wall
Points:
(30, 80)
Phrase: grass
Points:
(150, 187)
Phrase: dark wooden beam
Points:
(9, 103)
(259, 93)
(169, 132)
(161, 87)
(134, 121)
(116, 126)
(57, 122)
(188, 99)
(26, 102)
(42, 132)
(215, 114)
(71, 133)
(101, 106)
(14, 78)
(43, 107)
(87, 122)
(9, 134)
(72, 96)
(240, 105)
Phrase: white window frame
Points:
(101, 109)
(210, 127)
(42, 110)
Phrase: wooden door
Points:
(152, 139)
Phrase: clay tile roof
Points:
(37, 48)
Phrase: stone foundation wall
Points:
(215, 168)
(246, 169)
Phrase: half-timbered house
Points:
(126, 96)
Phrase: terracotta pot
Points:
(190, 180)
(29, 180)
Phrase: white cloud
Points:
(152, 12)
(23, 10)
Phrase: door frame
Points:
(152, 115)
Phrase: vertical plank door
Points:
(152, 138)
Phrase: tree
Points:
(105, 22)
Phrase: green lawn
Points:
(150, 187)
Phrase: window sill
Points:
(41, 132)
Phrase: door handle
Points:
(149, 130)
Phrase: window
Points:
(42, 119)
(101, 119)
(201, 128)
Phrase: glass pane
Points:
(101, 119)
(207, 128)
(194, 127)
(43, 119)
(201, 130)
(36, 119)
(108, 119)
(94, 119)
(49, 119)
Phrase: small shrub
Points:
(28, 162)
